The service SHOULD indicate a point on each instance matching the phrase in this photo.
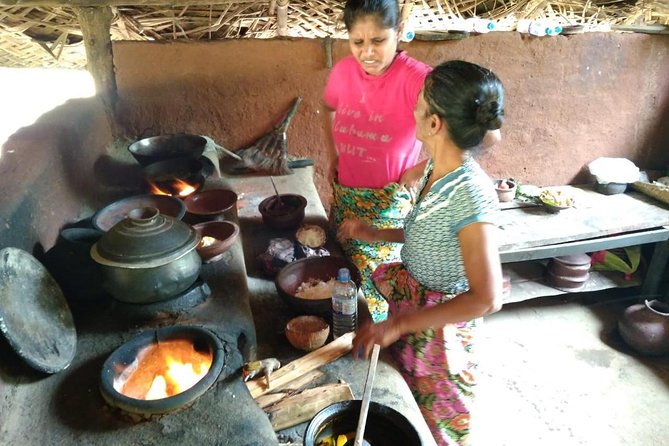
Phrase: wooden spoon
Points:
(278, 202)
(364, 406)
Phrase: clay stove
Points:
(161, 370)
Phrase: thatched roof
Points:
(49, 34)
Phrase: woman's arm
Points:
(358, 230)
(484, 272)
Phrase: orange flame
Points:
(165, 369)
(179, 187)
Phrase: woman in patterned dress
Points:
(371, 95)
(450, 275)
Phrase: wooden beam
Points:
(95, 27)
(282, 17)
(98, 3)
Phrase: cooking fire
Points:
(177, 187)
(163, 370)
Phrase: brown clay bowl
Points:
(284, 211)
(113, 213)
(289, 279)
(224, 232)
(211, 204)
(307, 332)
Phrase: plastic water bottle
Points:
(344, 304)
(538, 27)
(480, 26)
(408, 34)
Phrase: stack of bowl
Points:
(569, 273)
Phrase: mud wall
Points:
(570, 99)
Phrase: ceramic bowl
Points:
(211, 204)
(284, 211)
(555, 201)
(224, 235)
(289, 279)
(307, 332)
(505, 195)
(610, 188)
(108, 216)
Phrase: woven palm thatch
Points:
(52, 37)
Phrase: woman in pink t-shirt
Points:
(372, 94)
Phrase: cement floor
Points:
(554, 371)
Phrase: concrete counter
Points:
(271, 313)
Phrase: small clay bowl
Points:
(211, 204)
(284, 211)
(224, 232)
(307, 332)
(505, 195)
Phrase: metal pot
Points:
(148, 257)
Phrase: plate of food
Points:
(556, 200)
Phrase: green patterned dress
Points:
(383, 208)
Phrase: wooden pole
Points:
(282, 17)
(95, 27)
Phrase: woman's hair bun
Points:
(490, 115)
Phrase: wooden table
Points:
(596, 222)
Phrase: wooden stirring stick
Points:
(364, 406)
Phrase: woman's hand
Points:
(357, 230)
(382, 333)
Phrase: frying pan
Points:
(164, 147)
(168, 170)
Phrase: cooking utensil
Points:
(34, 316)
(268, 153)
(276, 192)
(362, 420)
(148, 257)
(160, 148)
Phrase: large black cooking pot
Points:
(160, 148)
(385, 426)
(148, 257)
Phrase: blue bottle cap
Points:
(343, 275)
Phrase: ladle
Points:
(278, 202)
(366, 396)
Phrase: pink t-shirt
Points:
(374, 128)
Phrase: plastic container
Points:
(538, 27)
(480, 26)
(344, 304)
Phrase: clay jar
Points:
(645, 327)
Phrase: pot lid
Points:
(145, 239)
(34, 315)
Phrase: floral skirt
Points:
(437, 364)
(383, 208)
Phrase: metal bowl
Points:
(108, 216)
(160, 148)
(319, 268)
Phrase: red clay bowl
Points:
(211, 204)
(283, 212)
(224, 232)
